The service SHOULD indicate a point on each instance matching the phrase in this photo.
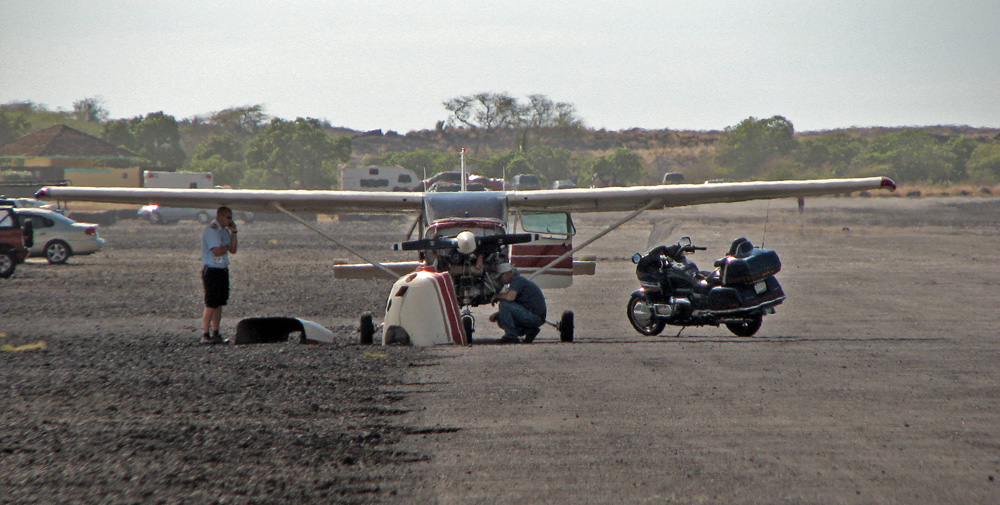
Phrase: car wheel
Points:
(7, 264)
(155, 218)
(57, 252)
(203, 218)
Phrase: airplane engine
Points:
(423, 311)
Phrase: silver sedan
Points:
(58, 237)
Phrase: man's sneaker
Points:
(509, 340)
(530, 336)
(211, 339)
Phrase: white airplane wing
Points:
(677, 195)
(569, 200)
(246, 199)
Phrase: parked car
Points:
(673, 178)
(158, 214)
(488, 183)
(525, 182)
(29, 203)
(563, 184)
(16, 237)
(58, 237)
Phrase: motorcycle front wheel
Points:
(642, 318)
(746, 328)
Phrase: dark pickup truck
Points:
(15, 240)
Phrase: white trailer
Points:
(160, 179)
(378, 179)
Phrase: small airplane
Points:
(463, 236)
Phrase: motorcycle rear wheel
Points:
(746, 328)
(642, 318)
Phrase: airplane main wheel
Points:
(367, 330)
(469, 324)
(642, 319)
(204, 218)
(566, 326)
(746, 328)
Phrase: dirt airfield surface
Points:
(877, 381)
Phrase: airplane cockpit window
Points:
(548, 222)
(465, 205)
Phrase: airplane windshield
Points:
(489, 205)
(548, 222)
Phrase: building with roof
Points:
(63, 153)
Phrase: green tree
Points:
(154, 137)
(227, 147)
(486, 110)
(909, 155)
(90, 110)
(619, 168)
(222, 155)
(984, 163)
(548, 163)
(748, 146)
(962, 148)
(241, 121)
(830, 155)
(295, 154)
(12, 127)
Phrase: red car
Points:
(14, 241)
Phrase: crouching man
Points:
(522, 306)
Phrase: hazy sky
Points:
(685, 64)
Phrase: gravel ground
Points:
(876, 381)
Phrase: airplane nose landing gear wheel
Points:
(367, 330)
(469, 323)
(565, 326)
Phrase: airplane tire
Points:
(468, 323)
(367, 330)
(566, 326)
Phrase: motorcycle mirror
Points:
(636, 257)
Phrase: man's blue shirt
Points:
(529, 295)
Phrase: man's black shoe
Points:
(509, 340)
(530, 336)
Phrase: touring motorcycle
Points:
(738, 293)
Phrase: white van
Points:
(377, 179)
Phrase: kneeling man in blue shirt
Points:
(522, 306)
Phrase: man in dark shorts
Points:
(522, 306)
(218, 241)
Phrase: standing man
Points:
(217, 242)
(522, 306)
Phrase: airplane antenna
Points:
(463, 169)
(767, 216)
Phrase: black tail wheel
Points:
(642, 318)
(367, 330)
(566, 326)
(747, 327)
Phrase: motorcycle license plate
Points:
(760, 287)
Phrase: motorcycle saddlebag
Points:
(746, 295)
(757, 265)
